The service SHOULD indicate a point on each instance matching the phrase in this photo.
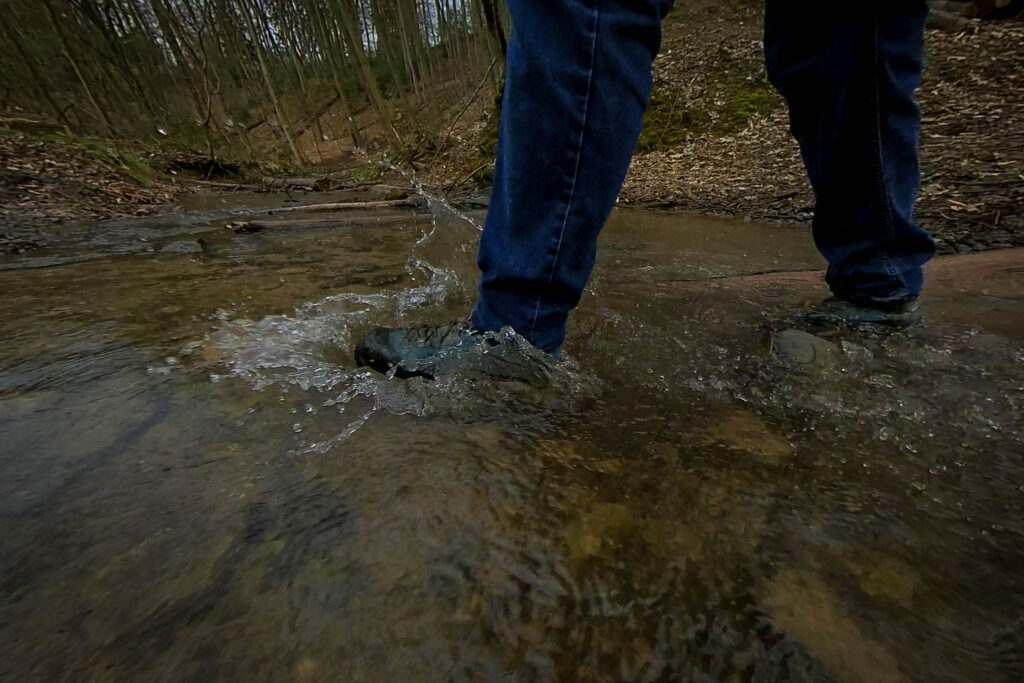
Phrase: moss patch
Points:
(125, 163)
(667, 122)
(742, 102)
(741, 89)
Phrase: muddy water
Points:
(196, 484)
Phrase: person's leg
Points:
(577, 84)
(849, 74)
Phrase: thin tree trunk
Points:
(348, 22)
(38, 84)
(66, 50)
(271, 92)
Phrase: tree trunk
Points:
(270, 91)
(348, 22)
(66, 49)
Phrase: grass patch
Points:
(128, 164)
(368, 172)
(136, 169)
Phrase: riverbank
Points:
(715, 141)
(48, 183)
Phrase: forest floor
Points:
(715, 140)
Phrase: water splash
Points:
(433, 201)
(302, 349)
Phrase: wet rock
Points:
(796, 347)
(183, 247)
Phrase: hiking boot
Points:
(413, 351)
(434, 350)
(834, 310)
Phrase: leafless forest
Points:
(219, 73)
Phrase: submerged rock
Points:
(745, 432)
(796, 347)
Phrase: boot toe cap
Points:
(375, 350)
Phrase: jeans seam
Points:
(893, 273)
(576, 170)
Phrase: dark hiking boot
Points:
(433, 350)
(413, 351)
(834, 310)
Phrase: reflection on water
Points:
(196, 483)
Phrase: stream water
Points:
(197, 484)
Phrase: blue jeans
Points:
(577, 83)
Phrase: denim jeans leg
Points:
(849, 74)
(577, 82)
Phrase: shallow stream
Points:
(196, 483)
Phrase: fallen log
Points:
(967, 9)
(414, 201)
(975, 9)
(312, 184)
(234, 187)
(330, 222)
(945, 21)
(27, 125)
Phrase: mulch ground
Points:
(972, 147)
(972, 98)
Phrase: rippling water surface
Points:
(196, 483)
